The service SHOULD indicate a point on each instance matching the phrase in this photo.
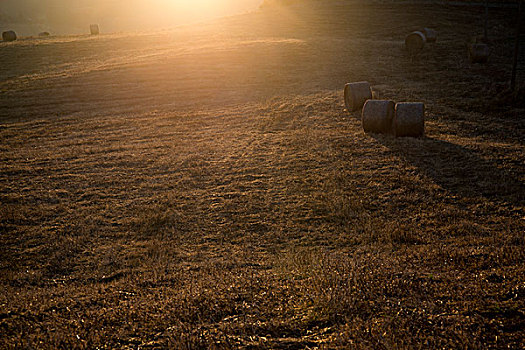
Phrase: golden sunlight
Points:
(263, 174)
(198, 9)
(70, 17)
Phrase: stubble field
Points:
(204, 187)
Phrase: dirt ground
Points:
(203, 187)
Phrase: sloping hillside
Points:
(204, 187)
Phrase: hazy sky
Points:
(74, 16)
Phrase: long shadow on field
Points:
(457, 169)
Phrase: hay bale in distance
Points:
(377, 116)
(44, 34)
(414, 42)
(409, 119)
(356, 95)
(430, 35)
(478, 53)
(478, 39)
(94, 29)
(9, 36)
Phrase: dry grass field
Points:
(204, 187)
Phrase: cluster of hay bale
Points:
(415, 41)
(478, 50)
(385, 116)
(9, 35)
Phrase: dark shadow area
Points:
(457, 169)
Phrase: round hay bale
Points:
(94, 29)
(43, 34)
(430, 35)
(9, 36)
(409, 119)
(414, 42)
(478, 53)
(377, 116)
(356, 95)
(478, 39)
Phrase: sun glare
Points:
(165, 13)
(192, 4)
(206, 8)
